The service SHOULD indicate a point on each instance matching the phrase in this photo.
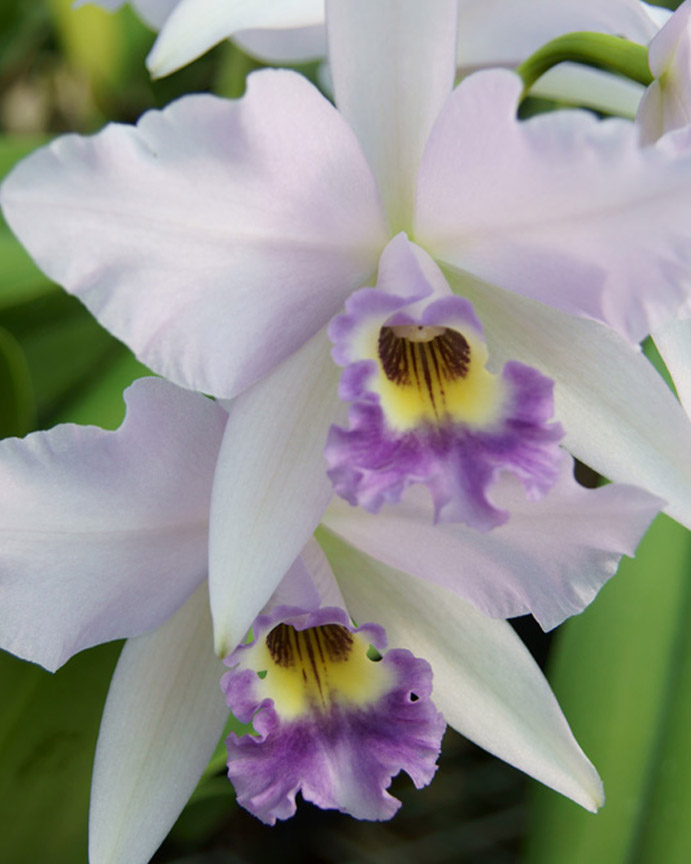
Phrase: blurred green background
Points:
(622, 670)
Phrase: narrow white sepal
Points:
(163, 717)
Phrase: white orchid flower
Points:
(104, 536)
(219, 238)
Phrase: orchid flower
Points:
(105, 536)
(490, 32)
(219, 238)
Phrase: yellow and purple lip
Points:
(331, 722)
(426, 409)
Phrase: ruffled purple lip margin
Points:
(370, 464)
(343, 759)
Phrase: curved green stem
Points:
(611, 53)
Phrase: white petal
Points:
(486, 683)
(393, 65)
(280, 47)
(271, 486)
(163, 717)
(550, 559)
(673, 341)
(197, 25)
(562, 208)
(505, 32)
(619, 415)
(104, 534)
(666, 104)
(216, 236)
(591, 88)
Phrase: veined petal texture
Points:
(562, 208)
(98, 540)
(216, 236)
(163, 717)
(270, 488)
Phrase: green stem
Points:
(611, 53)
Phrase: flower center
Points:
(432, 374)
(313, 668)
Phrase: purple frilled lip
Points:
(339, 747)
(471, 424)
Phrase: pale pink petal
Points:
(393, 65)
(104, 534)
(562, 208)
(619, 415)
(197, 25)
(550, 559)
(505, 32)
(271, 487)
(163, 717)
(216, 236)
(486, 684)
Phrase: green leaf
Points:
(92, 39)
(17, 409)
(99, 402)
(48, 730)
(621, 672)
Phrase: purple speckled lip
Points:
(458, 457)
(340, 754)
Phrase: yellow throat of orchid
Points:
(434, 375)
(310, 670)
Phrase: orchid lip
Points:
(427, 409)
(330, 722)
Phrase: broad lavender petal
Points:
(215, 237)
(197, 25)
(336, 727)
(163, 717)
(392, 87)
(550, 559)
(104, 534)
(562, 208)
(485, 681)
